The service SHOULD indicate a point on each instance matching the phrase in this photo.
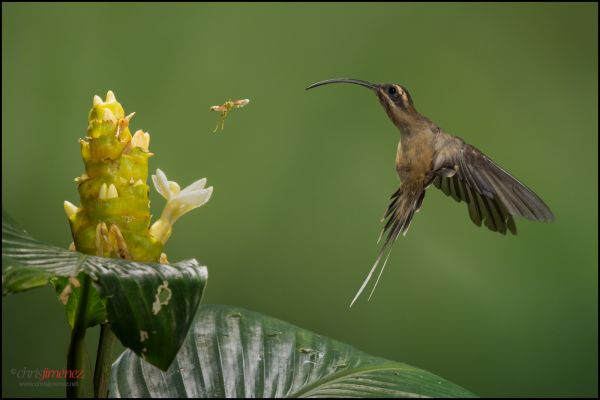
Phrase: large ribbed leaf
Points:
(150, 305)
(231, 352)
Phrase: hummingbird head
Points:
(394, 98)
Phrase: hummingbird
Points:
(428, 155)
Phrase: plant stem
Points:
(77, 345)
(103, 361)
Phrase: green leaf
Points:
(232, 352)
(96, 307)
(16, 280)
(150, 305)
(29, 264)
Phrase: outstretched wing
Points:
(493, 196)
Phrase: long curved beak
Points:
(345, 80)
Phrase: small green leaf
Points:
(96, 308)
(232, 352)
(149, 305)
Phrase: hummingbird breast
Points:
(414, 158)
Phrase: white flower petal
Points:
(174, 187)
(161, 175)
(195, 198)
(157, 186)
(210, 192)
(161, 184)
(199, 184)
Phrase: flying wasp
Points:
(225, 108)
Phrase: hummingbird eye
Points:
(392, 91)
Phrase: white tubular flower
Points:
(179, 202)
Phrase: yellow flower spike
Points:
(114, 217)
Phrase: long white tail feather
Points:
(399, 215)
(380, 236)
(380, 273)
(366, 280)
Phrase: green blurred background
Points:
(302, 178)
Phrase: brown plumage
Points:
(427, 155)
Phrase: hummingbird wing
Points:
(493, 195)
